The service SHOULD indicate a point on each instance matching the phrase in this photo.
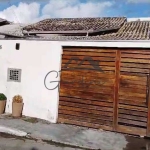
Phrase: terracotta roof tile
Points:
(71, 24)
(135, 30)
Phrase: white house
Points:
(36, 50)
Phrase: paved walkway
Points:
(72, 135)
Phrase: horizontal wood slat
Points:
(90, 87)
(86, 101)
(133, 78)
(135, 65)
(90, 111)
(90, 116)
(131, 130)
(85, 106)
(132, 84)
(126, 85)
(131, 98)
(86, 95)
(95, 50)
(92, 81)
(133, 90)
(95, 75)
(131, 122)
(111, 59)
(133, 112)
(140, 56)
(132, 117)
(75, 66)
(132, 102)
(131, 51)
(132, 73)
(86, 119)
(70, 53)
(84, 124)
(132, 94)
(87, 78)
(101, 63)
(138, 70)
(134, 60)
(128, 107)
(136, 80)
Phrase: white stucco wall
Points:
(36, 59)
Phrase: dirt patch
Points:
(34, 120)
(9, 116)
(31, 120)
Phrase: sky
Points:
(30, 11)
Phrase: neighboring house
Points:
(103, 65)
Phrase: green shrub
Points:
(2, 97)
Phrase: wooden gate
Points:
(133, 91)
(106, 88)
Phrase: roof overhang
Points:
(77, 32)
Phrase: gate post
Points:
(116, 89)
(148, 105)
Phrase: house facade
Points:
(69, 72)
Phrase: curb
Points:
(12, 131)
(18, 133)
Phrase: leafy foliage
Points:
(2, 97)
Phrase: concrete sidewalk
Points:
(65, 134)
(9, 143)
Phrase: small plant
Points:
(17, 99)
(2, 97)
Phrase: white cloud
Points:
(24, 13)
(73, 8)
(138, 1)
(29, 13)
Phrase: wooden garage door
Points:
(106, 88)
(87, 87)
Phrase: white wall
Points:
(141, 19)
(36, 59)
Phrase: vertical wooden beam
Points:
(116, 89)
(148, 105)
